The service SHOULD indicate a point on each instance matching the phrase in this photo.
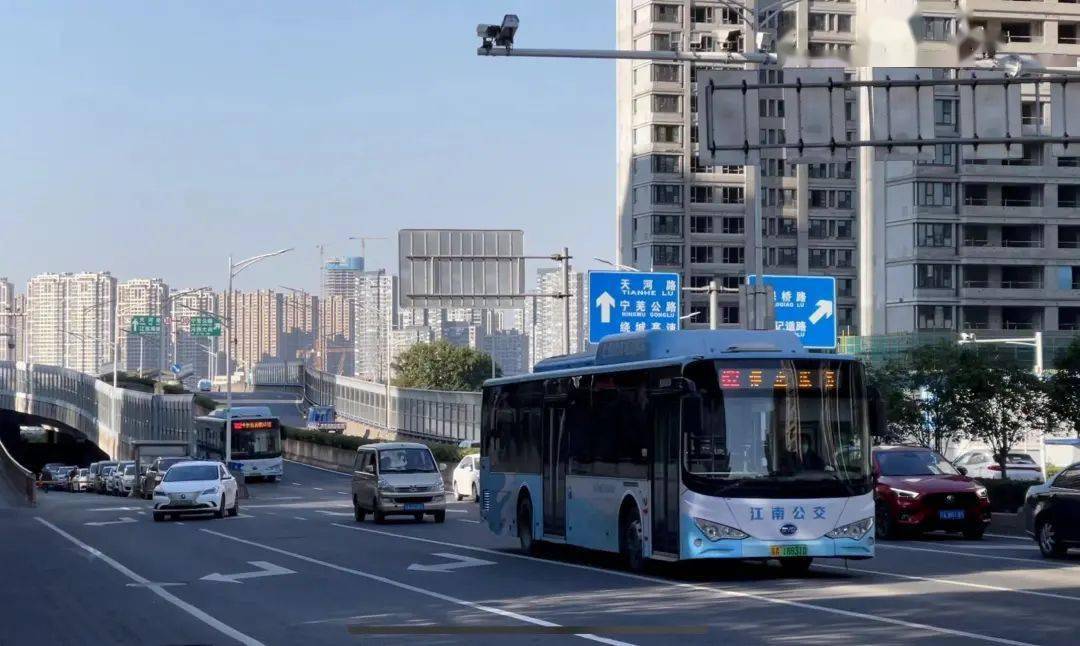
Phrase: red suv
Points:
(916, 489)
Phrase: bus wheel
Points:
(796, 565)
(632, 543)
(524, 526)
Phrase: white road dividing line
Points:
(297, 484)
(467, 520)
(343, 493)
(1011, 538)
(412, 588)
(114, 509)
(964, 584)
(311, 466)
(299, 518)
(1034, 562)
(159, 590)
(317, 488)
(703, 588)
(457, 511)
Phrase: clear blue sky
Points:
(153, 138)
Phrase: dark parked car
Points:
(156, 471)
(918, 490)
(1052, 512)
(99, 478)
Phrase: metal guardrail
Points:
(448, 416)
(19, 477)
(110, 417)
(278, 373)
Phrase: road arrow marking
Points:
(461, 562)
(120, 521)
(265, 569)
(824, 310)
(605, 302)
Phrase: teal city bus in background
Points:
(684, 445)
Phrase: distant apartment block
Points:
(201, 353)
(70, 320)
(544, 316)
(9, 321)
(376, 312)
(143, 297)
(255, 326)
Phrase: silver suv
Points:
(397, 478)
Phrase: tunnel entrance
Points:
(36, 441)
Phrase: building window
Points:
(666, 164)
(845, 287)
(782, 256)
(733, 255)
(843, 199)
(665, 73)
(934, 317)
(667, 254)
(732, 225)
(665, 13)
(667, 194)
(933, 235)
(668, 103)
(698, 281)
(701, 224)
(729, 314)
(667, 225)
(663, 134)
(818, 258)
(945, 112)
(701, 254)
(939, 29)
(731, 195)
(934, 193)
(933, 276)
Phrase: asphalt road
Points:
(286, 404)
(82, 568)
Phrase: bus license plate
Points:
(951, 514)
(788, 550)
(414, 506)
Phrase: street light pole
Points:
(235, 269)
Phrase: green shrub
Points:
(1005, 495)
(1052, 470)
(447, 453)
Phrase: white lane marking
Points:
(1037, 562)
(467, 520)
(159, 590)
(152, 584)
(141, 513)
(124, 520)
(343, 493)
(964, 584)
(412, 588)
(178, 523)
(266, 568)
(702, 588)
(317, 488)
(457, 562)
(245, 516)
(299, 518)
(457, 511)
(284, 498)
(297, 484)
(333, 513)
(115, 509)
(311, 466)
(1011, 538)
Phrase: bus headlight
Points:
(854, 530)
(716, 531)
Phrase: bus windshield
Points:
(253, 445)
(780, 429)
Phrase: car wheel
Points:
(1047, 536)
(524, 527)
(884, 529)
(235, 511)
(440, 516)
(475, 494)
(796, 566)
(358, 513)
(457, 493)
(974, 532)
(632, 541)
(378, 516)
(158, 516)
(220, 511)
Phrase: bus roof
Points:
(239, 412)
(662, 347)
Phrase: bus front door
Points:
(556, 446)
(665, 475)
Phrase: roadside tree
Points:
(1012, 403)
(442, 366)
(1063, 388)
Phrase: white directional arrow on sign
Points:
(824, 310)
(120, 521)
(265, 569)
(605, 302)
(460, 562)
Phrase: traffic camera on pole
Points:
(499, 35)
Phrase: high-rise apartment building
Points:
(968, 244)
(143, 297)
(376, 312)
(255, 319)
(337, 329)
(544, 316)
(201, 353)
(675, 213)
(70, 320)
(300, 325)
(340, 275)
(9, 319)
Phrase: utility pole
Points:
(566, 299)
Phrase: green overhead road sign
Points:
(146, 325)
(205, 326)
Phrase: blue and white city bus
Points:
(256, 441)
(684, 445)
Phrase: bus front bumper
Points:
(697, 546)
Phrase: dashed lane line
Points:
(1033, 562)
(711, 590)
(158, 589)
(418, 590)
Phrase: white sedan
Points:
(466, 478)
(981, 464)
(194, 488)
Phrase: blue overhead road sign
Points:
(629, 301)
(805, 305)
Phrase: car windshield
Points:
(1019, 458)
(129, 470)
(776, 428)
(191, 472)
(168, 462)
(406, 461)
(84, 472)
(914, 463)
